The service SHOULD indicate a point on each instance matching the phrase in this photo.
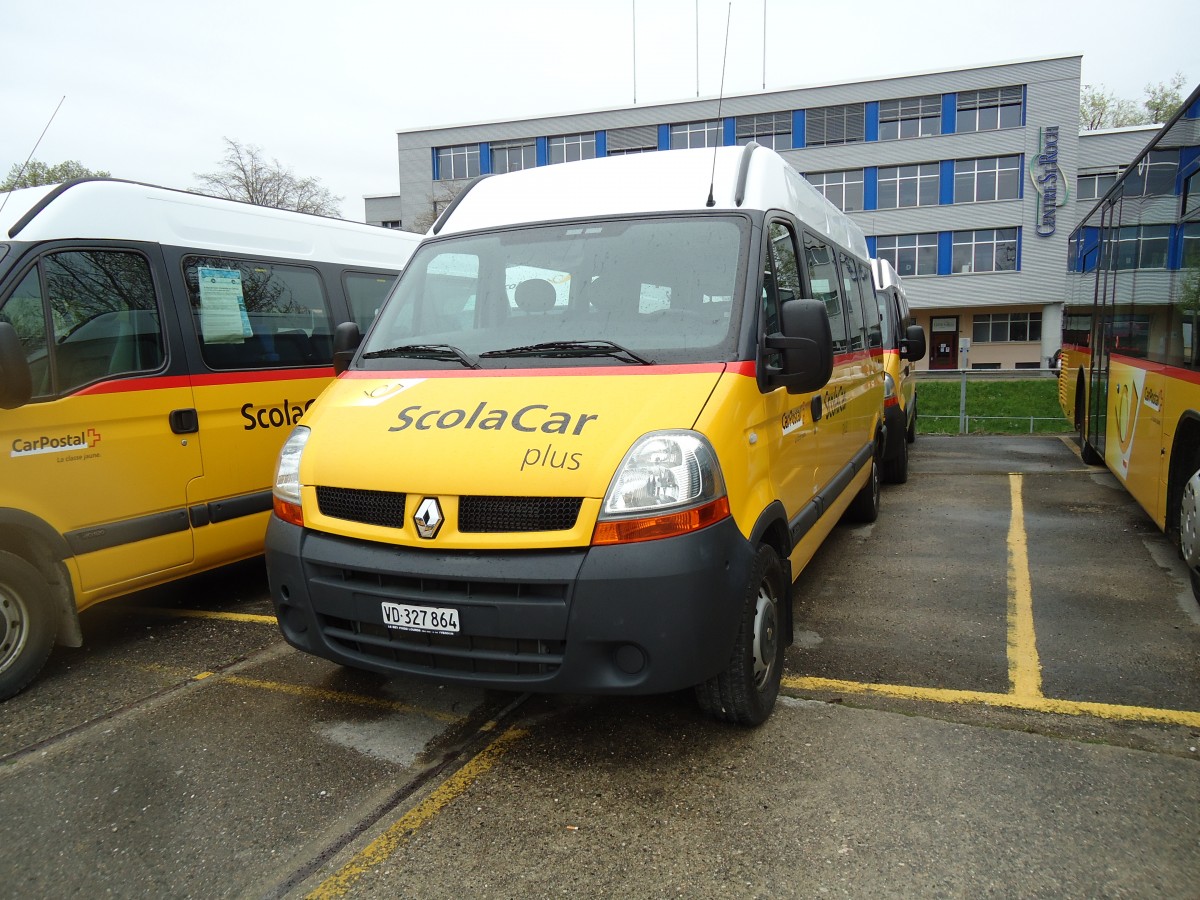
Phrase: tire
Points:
(1189, 530)
(745, 692)
(911, 434)
(27, 624)
(864, 508)
(895, 470)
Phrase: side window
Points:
(258, 315)
(85, 315)
(854, 302)
(870, 307)
(823, 279)
(781, 275)
(366, 293)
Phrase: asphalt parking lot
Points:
(994, 691)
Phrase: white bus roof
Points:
(125, 210)
(667, 181)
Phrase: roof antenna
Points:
(720, 98)
(21, 171)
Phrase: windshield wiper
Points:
(427, 351)
(572, 348)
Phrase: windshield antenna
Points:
(21, 171)
(720, 98)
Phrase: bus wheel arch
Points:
(35, 542)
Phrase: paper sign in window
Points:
(223, 318)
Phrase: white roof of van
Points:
(125, 210)
(665, 181)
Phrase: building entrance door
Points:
(943, 342)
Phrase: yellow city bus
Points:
(1130, 371)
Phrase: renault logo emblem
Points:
(428, 518)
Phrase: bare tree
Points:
(1099, 108)
(245, 175)
(443, 196)
(34, 173)
(1163, 99)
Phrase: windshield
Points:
(633, 292)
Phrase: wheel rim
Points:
(1189, 514)
(766, 635)
(14, 627)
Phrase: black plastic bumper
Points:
(636, 618)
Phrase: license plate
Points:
(433, 619)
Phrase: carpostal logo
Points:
(60, 443)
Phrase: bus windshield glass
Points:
(657, 290)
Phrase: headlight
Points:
(287, 470)
(664, 470)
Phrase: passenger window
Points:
(870, 307)
(366, 293)
(258, 315)
(823, 279)
(103, 319)
(854, 302)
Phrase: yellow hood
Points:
(546, 432)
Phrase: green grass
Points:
(993, 407)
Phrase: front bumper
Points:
(638, 618)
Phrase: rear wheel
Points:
(27, 624)
(865, 505)
(745, 692)
(911, 434)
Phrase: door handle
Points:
(184, 421)
(816, 408)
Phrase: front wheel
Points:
(895, 470)
(1189, 530)
(27, 627)
(745, 692)
(864, 507)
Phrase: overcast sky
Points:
(152, 87)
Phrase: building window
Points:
(843, 189)
(910, 117)
(827, 126)
(513, 156)
(986, 250)
(901, 186)
(1094, 185)
(772, 130)
(989, 110)
(391, 223)
(696, 134)
(1191, 245)
(909, 254)
(457, 162)
(990, 178)
(995, 328)
(638, 139)
(1142, 247)
(571, 147)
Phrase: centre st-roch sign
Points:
(1051, 186)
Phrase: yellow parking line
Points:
(327, 695)
(207, 614)
(1024, 668)
(381, 849)
(1113, 711)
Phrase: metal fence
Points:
(965, 423)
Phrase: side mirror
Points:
(16, 380)
(805, 345)
(913, 346)
(346, 338)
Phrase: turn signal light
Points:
(653, 528)
(289, 512)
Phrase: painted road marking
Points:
(1024, 667)
(381, 849)
(205, 614)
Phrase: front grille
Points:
(384, 508)
(476, 514)
(513, 657)
(500, 514)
